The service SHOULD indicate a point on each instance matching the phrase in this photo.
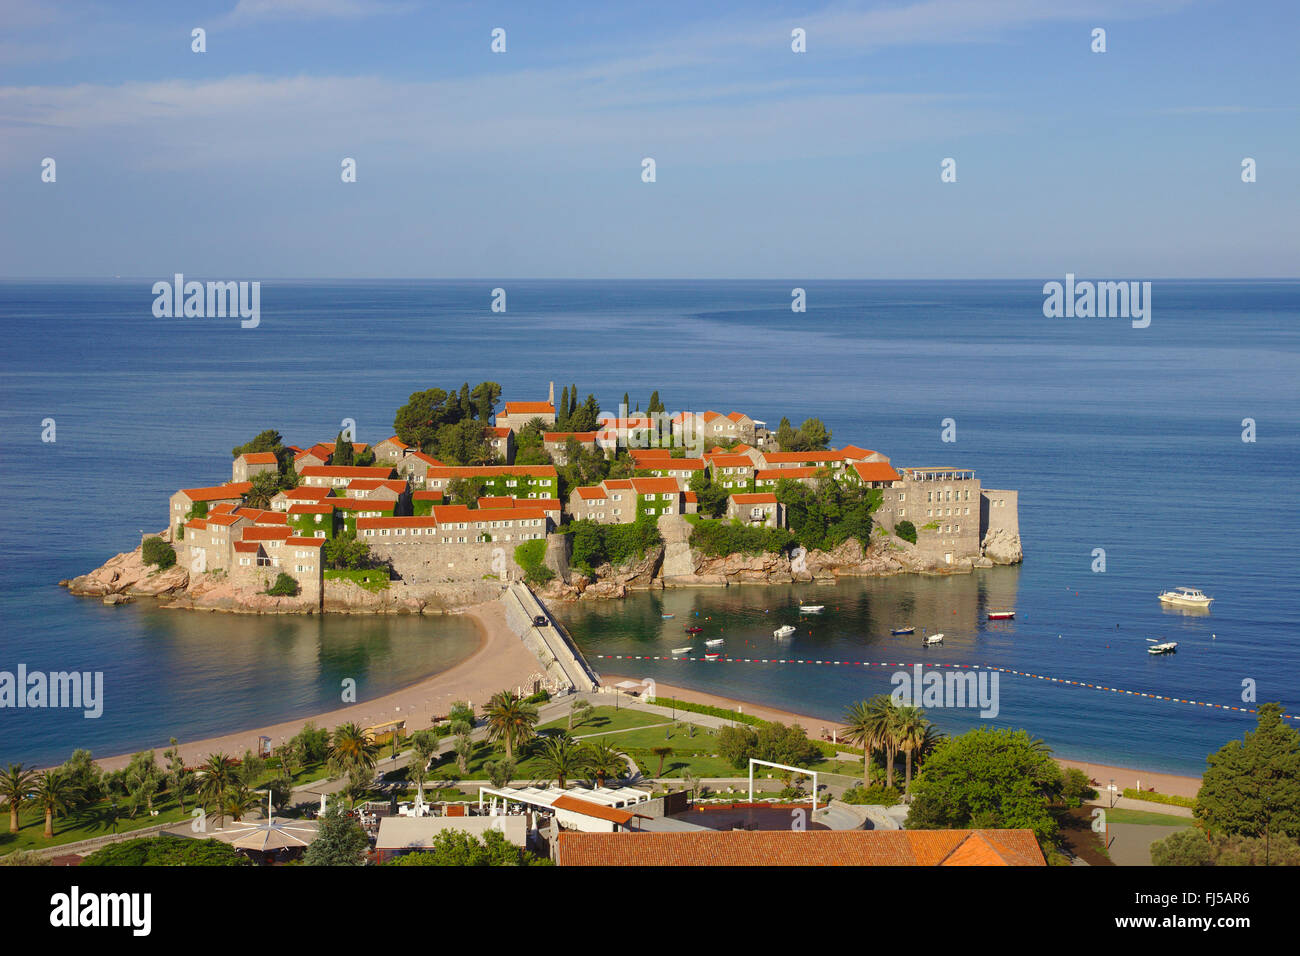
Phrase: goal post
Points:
(781, 766)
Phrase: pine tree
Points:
(562, 413)
(573, 401)
(342, 452)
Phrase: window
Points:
(902, 512)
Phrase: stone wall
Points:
(425, 562)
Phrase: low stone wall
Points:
(550, 645)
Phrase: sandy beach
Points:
(500, 662)
(1102, 773)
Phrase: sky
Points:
(769, 163)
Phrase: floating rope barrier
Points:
(987, 667)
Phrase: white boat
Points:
(711, 657)
(785, 631)
(934, 639)
(812, 608)
(682, 650)
(714, 643)
(1166, 648)
(1185, 597)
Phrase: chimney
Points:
(551, 398)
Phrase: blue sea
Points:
(1128, 440)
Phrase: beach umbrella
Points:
(276, 833)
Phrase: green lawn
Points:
(1121, 815)
(84, 823)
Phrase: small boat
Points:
(1166, 648)
(682, 650)
(905, 629)
(715, 642)
(1186, 597)
(934, 639)
(812, 608)
(694, 630)
(712, 657)
(1001, 615)
(784, 631)
(668, 617)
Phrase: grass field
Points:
(1120, 815)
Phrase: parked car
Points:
(540, 621)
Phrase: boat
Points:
(715, 642)
(1001, 615)
(784, 631)
(934, 639)
(812, 608)
(1168, 647)
(712, 657)
(905, 629)
(1185, 597)
(667, 617)
(682, 650)
(694, 630)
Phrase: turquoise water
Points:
(1117, 438)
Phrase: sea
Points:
(1169, 451)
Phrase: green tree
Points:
(266, 485)
(167, 850)
(158, 552)
(16, 785)
(662, 752)
(458, 848)
(816, 436)
(1252, 786)
(215, 778)
(711, 498)
(485, 396)
(284, 586)
(861, 726)
(417, 422)
(345, 552)
(344, 453)
(605, 761)
(563, 758)
(988, 778)
(55, 793)
(500, 772)
(1184, 848)
(352, 750)
(340, 841)
(509, 720)
(906, 530)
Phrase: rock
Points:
(113, 599)
(127, 573)
(1002, 547)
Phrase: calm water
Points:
(1117, 438)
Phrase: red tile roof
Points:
(529, 408)
(565, 436)
(875, 471)
(447, 514)
(305, 542)
(492, 471)
(427, 496)
(346, 471)
(589, 809)
(801, 848)
(231, 491)
(310, 509)
(590, 493)
(260, 458)
(731, 461)
(401, 521)
(853, 451)
(640, 454)
(805, 472)
(655, 486)
(227, 520)
(246, 547)
(306, 493)
(266, 534)
(361, 504)
(393, 441)
(427, 459)
(756, 498)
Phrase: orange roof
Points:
(690, 497)
(654, 486)
(306, 493)
(876, 471)
(668, 464)
(496, 502)
(640, 454)
(454, 513)
(230, 491)
(374, 484)
(271, 517)
(427, 496)
(731, 461)
(801, 456)
(589, 809)
(346, 471)
(260, 458)
(737, 416)
(805, 472)
(806, 848)
(310, 509)
(546, 504)
(618, 484)
(565, 436)
(590, 493)
(198, 524)
(305, 542)
(427, 459)
(266, 534)
(529, 408)
(497, 432)
(853, 451)
(756, 498)
(225, 520)
(224, 507)
(402, 521)
(394, 441)
(362, 504)
(246, 547)
(741, 447)
(710, 416)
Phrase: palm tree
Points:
(884, 728)
(417, 770)
(661, 753)
(216, 776)
(238, 800)
(55, 793)
(15, 786)
(911, 729)
(859, 728)
(562, 757)
(352, 750)
(510, 720)
(605, 760)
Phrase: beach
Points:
(1102, 773)
(500, 662)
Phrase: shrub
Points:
(529, 556)
(284, 586)
(873, 796)
(720, 538)
(1075, 788)
(1159, 797)
(1184, 848)
(906, 530)
(157, 551)
(167, 851)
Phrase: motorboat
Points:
(811, 608)
(715, 642)
(784, 631)
(1186, 597)
(682, 650)
(1001, 615)
(905, 629)
(668, 617)
(934, 639)
(1168, 647)
(712, 657)
(694, 630)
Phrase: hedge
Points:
(1169, 798)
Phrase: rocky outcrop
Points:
(127, 574)
(1002, 547)
(610, 581)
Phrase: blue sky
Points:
(770, 164)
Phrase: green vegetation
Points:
(164, 850)
(458, 848)
(1146, 818)
(158, 552)
(825, 517)
(708, 710)
(873, 796)
(776, 743)
(372, 579)
(529, 556)
(284, 586)
(1252, 786)
(340, 841)
(812, 435)
(717, 538)
(450, 426)
(345, 552)
(710, 498)
(616, 544)
(1170, 798)
(881, 725)
(906, 530)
